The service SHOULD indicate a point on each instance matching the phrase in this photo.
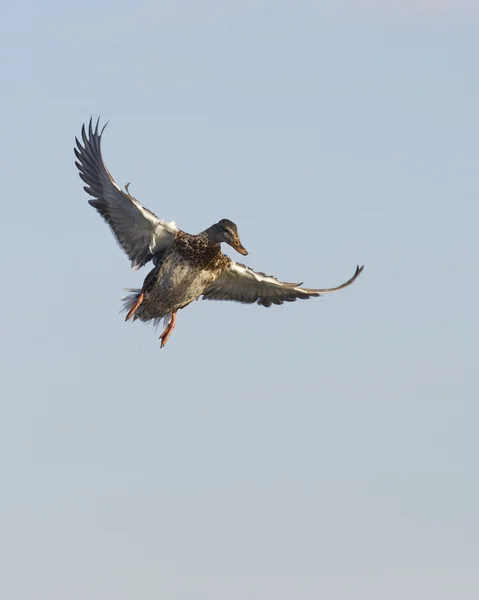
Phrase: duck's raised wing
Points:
(242, 284)
(138, 231)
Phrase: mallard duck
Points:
(185, 266)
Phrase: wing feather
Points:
(139, 232)
(242, 284)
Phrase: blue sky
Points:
(320, 449)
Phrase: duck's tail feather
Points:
(129, 302)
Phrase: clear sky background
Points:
(322, 449)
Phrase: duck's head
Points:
(227, 232)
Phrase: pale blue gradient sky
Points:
(324, 449)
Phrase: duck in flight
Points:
(186, 267)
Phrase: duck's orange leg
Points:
(135, 307)
(168, 330)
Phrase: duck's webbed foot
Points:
(168, 330)
(135, 307)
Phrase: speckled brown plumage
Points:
(182, 274)
(200, 252)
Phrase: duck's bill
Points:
(240, 248)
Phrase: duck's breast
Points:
(177, 283)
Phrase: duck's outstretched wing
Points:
(138, 231)
(242, 284)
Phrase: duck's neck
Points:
(213, 234)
